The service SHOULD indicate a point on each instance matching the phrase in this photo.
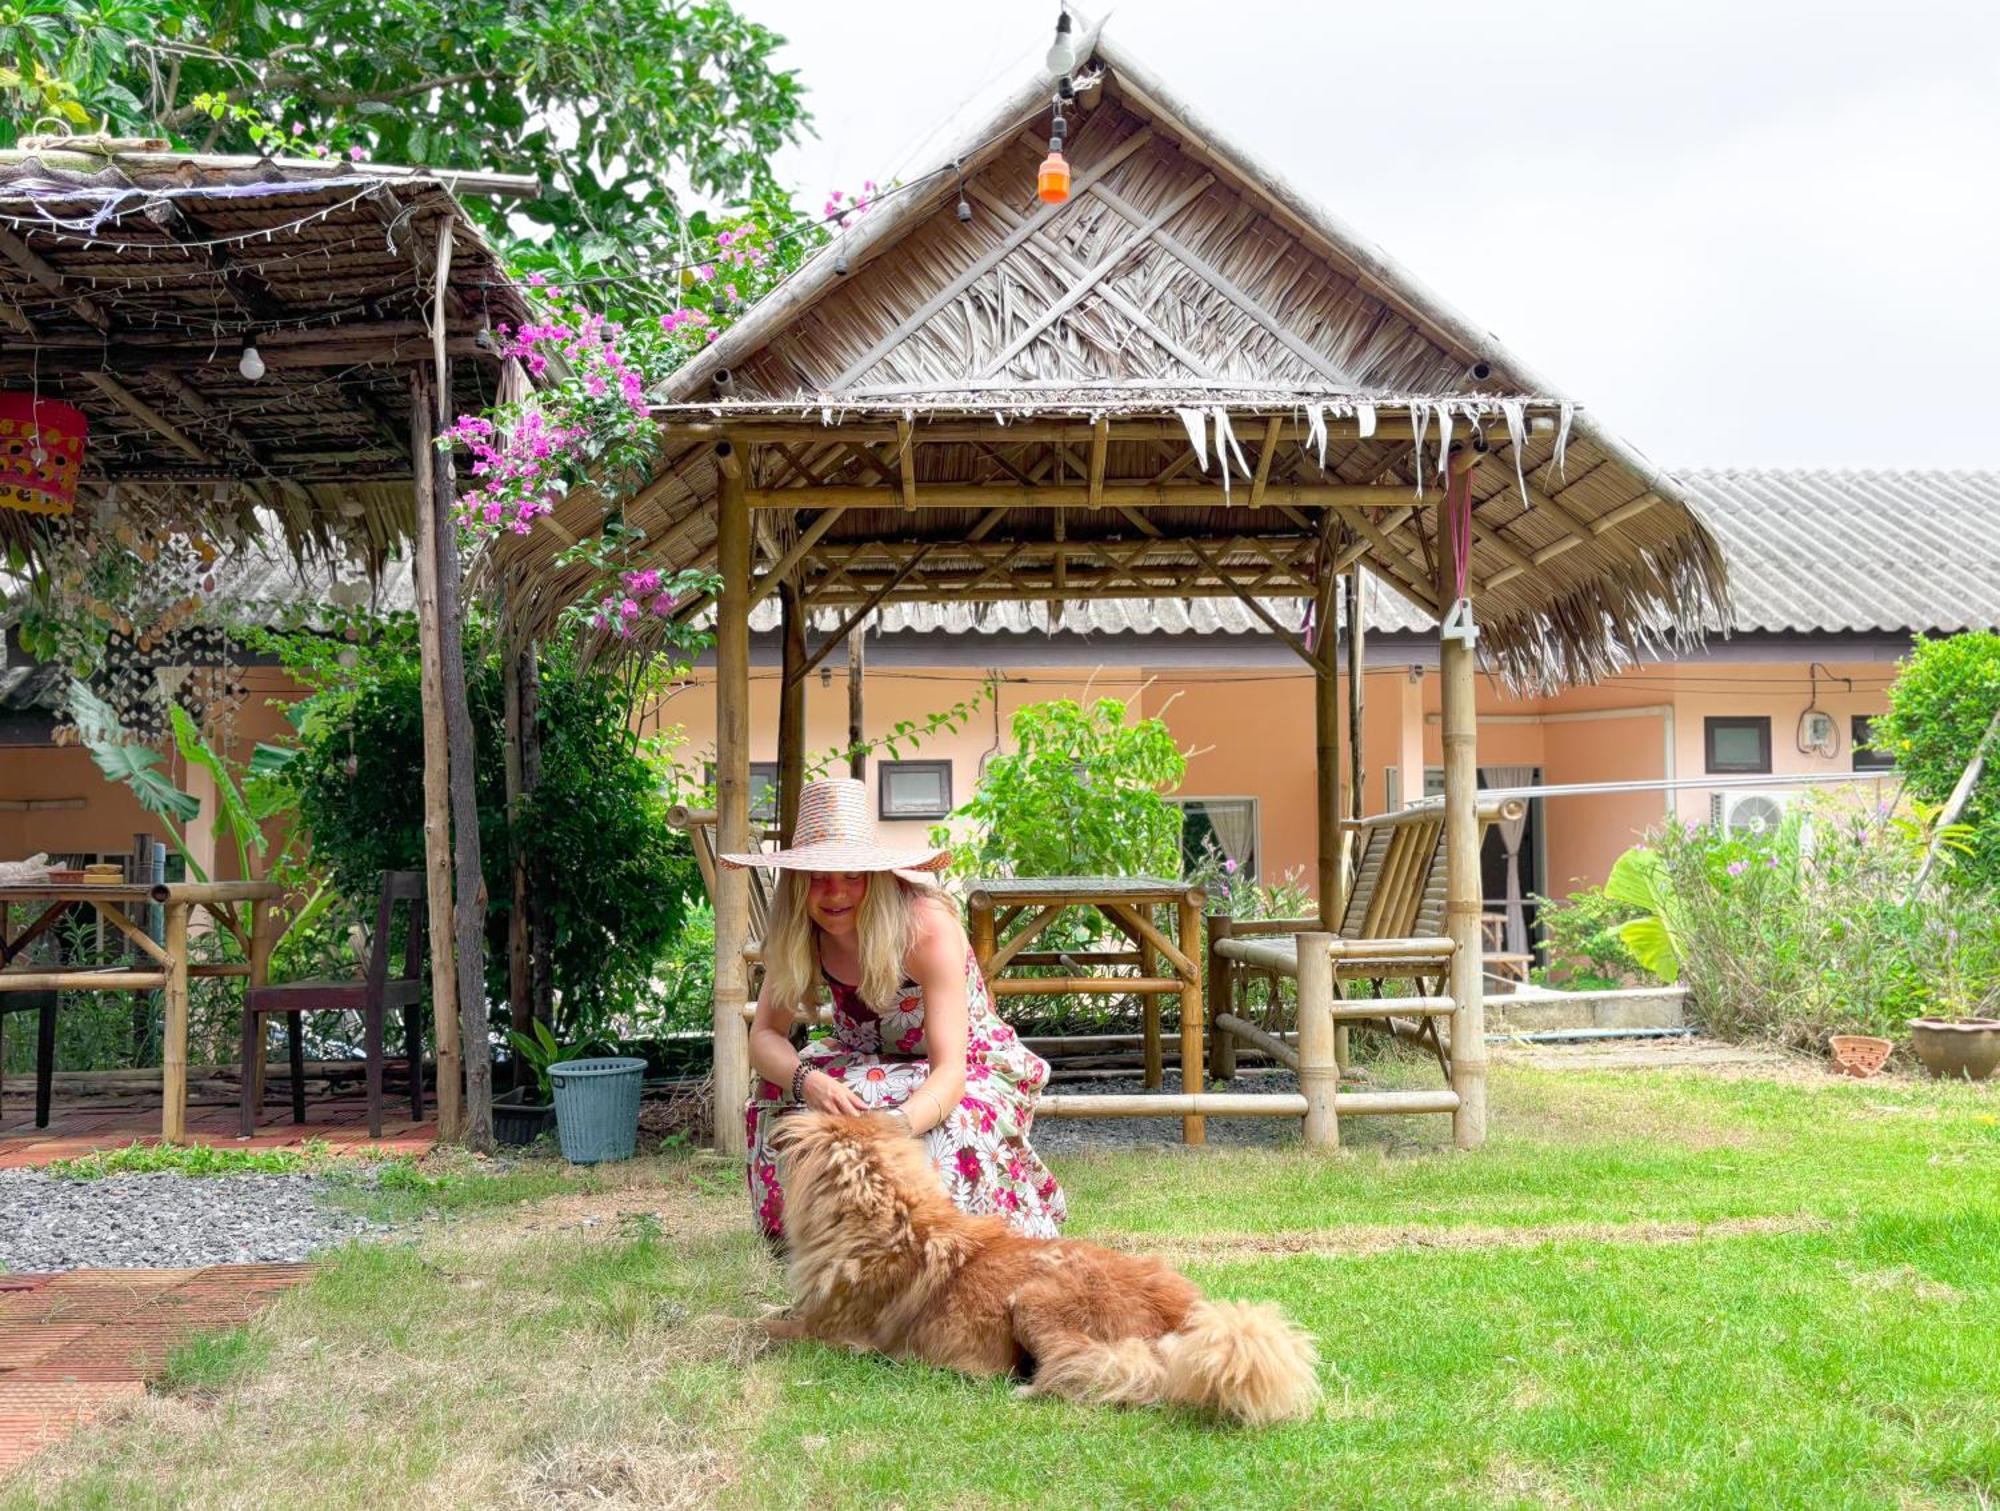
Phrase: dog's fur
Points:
(881, 1259)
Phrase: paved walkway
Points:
(76, 1344)
(83, 1126)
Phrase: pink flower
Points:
(968, 1165)
(355, 154)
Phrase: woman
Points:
(914, 1031)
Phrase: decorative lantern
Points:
(1052, 183)
(41, 452)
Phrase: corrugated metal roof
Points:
(1856, 551)
(1842, 552)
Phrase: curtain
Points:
(1512, 831)
(1235, 826)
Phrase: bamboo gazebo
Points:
(1182, 381)
(265, 349)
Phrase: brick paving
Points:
(83, 1127)
(76, 1344)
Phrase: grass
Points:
(192, 1159)
(1649, 1290)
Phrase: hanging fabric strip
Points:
(1517, 438)
(1197, 429)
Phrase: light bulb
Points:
(250, 364)
(1052, 183)
(1062, 52)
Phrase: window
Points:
(915, 789)
(1221, 829)
(1434, 781)
(1864, 758)
(1736, 745)
(763, 790)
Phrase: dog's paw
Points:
(1026, 1391)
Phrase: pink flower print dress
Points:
(981, 1150)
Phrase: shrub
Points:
(1585, 949)
(1812, 930)
(1940, 705)
(613, 874)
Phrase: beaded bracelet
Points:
(799, 1081)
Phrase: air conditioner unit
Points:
(1748, 815)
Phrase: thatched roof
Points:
(1055, 356)
(131, 279)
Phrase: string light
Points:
(251, 364)
(1062, 52)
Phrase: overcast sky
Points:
(1759, 233)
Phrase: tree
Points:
(1940, 706)
(619, 108)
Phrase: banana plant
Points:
(1639, 880)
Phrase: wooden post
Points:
(437, 768)
(520, 971)
(985, 938)
(1220, 998)
(791, 706)
(1149, 965)
(857, 655)
(1326, 777)
(1456, 671)
(174, 1061)
(1319, 1076)
(1194, 1128)
(263, 939)
(732, 800)
(1357, 632)
(469, 899)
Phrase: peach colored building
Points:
(1821, 620)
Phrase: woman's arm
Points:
(772, 1057)
(937, 964)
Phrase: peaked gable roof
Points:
(1181, 284)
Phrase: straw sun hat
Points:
(835, 833)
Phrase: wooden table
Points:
(166, 965)
(1128, 904)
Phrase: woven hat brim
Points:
(842, 855)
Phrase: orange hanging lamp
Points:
(41, 452)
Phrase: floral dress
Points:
(981, 1150)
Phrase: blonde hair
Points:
(886, 928)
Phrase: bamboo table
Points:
(169, 969)
(1127, 903)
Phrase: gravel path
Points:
(166, 1221)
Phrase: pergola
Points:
(135, 280)
(1184, 381)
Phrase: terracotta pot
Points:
(1860, 1055)
(1967, 1049)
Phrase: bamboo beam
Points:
(1166, 1104)
(1240, 1028)
(1319, 1071)
(1187, 912)
(783, 427)
(1342, 496)
(1136, 918)
(857, 752)
(997, 961)
(1457, 669)
(732, 802)
(1266, 454)
(437, 770)
(1093, 986)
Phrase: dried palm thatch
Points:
(132, 279)
(1185, 381)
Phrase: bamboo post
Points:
(469, 897)
(985, 938)
(1319, 1075)
(1326, 778)
(732, 801)
(791, 707)
(857, 654)
(1194, 1128)
(1149, 965)
(1221, 998)
(1459, 722)
(263, 939)
(437, 777)
(174, 1060)
(1357, 607)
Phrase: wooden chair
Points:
(45, 1044)
(372, 997)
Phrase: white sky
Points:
(1762, 233)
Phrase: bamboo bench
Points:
(1392, 929)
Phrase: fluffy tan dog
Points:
(881, 1259)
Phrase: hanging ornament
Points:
(41, 452)
(1052, 183)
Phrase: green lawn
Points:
(1667, 1289)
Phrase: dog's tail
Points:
(1243, 1360)
(1232, 1359)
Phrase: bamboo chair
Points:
(1397, 894)
(372, 997)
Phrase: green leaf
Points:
(233, 813)
(123, 761)
(1652, 945)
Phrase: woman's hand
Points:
(823, 1093)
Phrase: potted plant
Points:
(524, 1114)
(1957, 1047)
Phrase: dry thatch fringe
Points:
(1662, 601)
